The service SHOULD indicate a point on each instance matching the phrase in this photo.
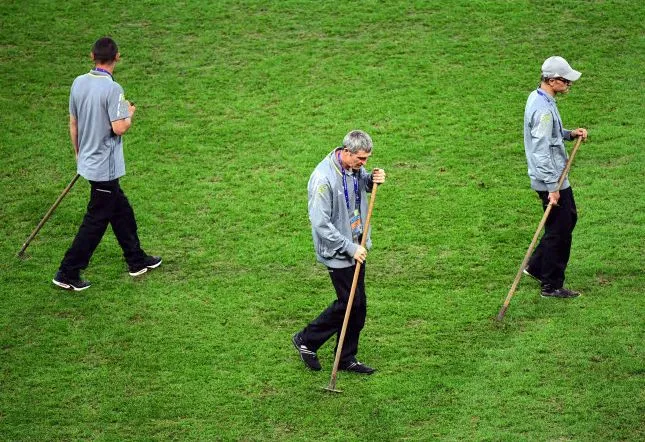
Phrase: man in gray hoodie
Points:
(337, 192)
(544, 137)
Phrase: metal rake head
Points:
(23, 256)
(331, 389)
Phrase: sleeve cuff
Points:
(552, 187)
(352, 249)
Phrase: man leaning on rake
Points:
(544, 137)
(337, 194)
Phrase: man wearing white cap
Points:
(544, 137)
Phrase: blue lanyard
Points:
(544, 95)
(357, 194)
(552, 106)
(104, 71)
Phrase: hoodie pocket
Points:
(325, 252)
(558, 157)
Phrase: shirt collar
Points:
(545, 94)
(101, 73)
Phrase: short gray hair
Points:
(357, 141)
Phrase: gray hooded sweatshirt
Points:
(544, 142)
(328, 213)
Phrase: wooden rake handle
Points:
(47, 215)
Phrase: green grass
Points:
(237, 102)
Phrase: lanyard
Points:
(357, 194)
(105, 72)
(553, 107)
(544, 95)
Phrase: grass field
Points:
(237, 102)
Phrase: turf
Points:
(237, 102)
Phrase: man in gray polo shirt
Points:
(99, 116)
(544, 137)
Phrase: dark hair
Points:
(105, 50)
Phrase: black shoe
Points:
(70, 284)
(356, 367)
(559, 293)
(310, 358)
(527, 272)
(149, 262)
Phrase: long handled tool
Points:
(21, 253)
(511, 292)
(352, 292)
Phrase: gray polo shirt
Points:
(95, 101)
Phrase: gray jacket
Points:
(330, 219)
(544, 138)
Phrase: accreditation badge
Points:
(357, 226)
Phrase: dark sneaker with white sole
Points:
(356, 367)
(527, 272)
(559, 293)
(149, 262)
(310, 358)
(69, 283)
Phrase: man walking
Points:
(337, 209)
(99, 116)
(544, 137)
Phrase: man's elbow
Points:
(120, 127)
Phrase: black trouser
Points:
(330, 321)
(108, 205)
(550, 258)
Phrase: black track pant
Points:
(550, 258)
(330, 321)
(108, 205)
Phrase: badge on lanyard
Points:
(357, 226)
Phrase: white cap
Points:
(558, 67)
